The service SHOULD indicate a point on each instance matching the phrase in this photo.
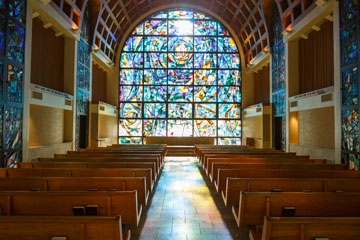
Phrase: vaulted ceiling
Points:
(250, 19)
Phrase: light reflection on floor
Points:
(183, 207)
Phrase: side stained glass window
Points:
(350, 63)
(180, 75)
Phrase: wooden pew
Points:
(89, 165)
(223, 174)
(21, 203)
(73, 227)
(254, 206)
(78, 172)
(137, 184)
(309, 228)
(271, 165)
(234, 186)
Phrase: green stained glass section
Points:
(229, 128)
(154, 127)
(131, 76)
(130, 140)
(131, 60)
(350, 87)
(227, 44)
(155, 77)
(180, 128)
(155, 110)
(181, 44)
(229, 61)
(180, 110)
(155, 27)
(181, 27)
(180, 77)
(155, 93)
(205, 44)
(134, 44)
(229, 77)
(229, 111)
(131, 93)
(155, 60)
(130, 110)
(205, 77)
(229, 94)
(181, 60)
(205, 94)
(130, 127)
(156, 44)
(180, 94)
(205, 128)
(207, 110)
(205, 27)
(205, 60)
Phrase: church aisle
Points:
(184, 208)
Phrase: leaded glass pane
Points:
(198, 15)
(1, 80)
(181, 44)
(180, 94)
(183, 14)
(17, 10)
(155, 93)
(155, 60)
(180, 128)
(155, 27)
(155, 110)
(350, 87)
(134, 44)
(1, 127)
(227, 44)
(229, 111)
(131, 93)
(350, 130)
(155, 77)
(205, 128)
(180, 77)
(154, 127)
(205, 94)
(130, 110)
(2, 34)
(180, 110)
(160, 15)
(13, 125)
(205, 77)
(348, 10)
(14, 84)
(139, 30)
(349, 44)
(180, 27)
(205, 28)
(205, 44)
(156, 44)
(16, 42)
(130, 127)
(207, 110)
(132, 60)
(229, 141)
(229, 94)
(222, 30)
(229, 61)
(131, 76)
(130, 140)
(229, 77)
(205, 60)
(181, 60)
(12, 158)
(229, 128)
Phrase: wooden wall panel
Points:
(316, 59)
(47, 58)
(99, 81)
(262, 86)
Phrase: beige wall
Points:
(253, 127)
(108, 128)
(316, 128)
(46, 126)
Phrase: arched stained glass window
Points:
(180, 76)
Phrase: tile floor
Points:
(185, 206)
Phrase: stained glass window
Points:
(180, 76)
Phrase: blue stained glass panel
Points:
(229, 77)
(181, 60)
(1, 81)
(229, 128)
(130, 127)
(2, 34)
(205, 60)
(229, 141)
(205, 44)
(180, 14)
(349, 44)
(222, 30)
(229, 111)
(16, 42)
(15, 84)
(181, 44)
(154, 127)
(229, 61)
(155, 110)
(205, 28)
(155, 27)
(155, 93)
(134, 44)
(155, 60)
(180, 110)
(180, 94)
(207, 110)
(350, 87)
(156, 44)
(227, 44)
(131, 76)
(181, 27)
(132, 60)
(205, 128)
(13, 128)
(350, 130)
(198, 15)
(159, 15)
(229, 94)
(1, 127)
(155, 77)
(131, 93)
(180, 77)
(205, 94)
(12, 158)
(180, 128)
(130, 140)
(348, 10)
(17, 10)
(130, 110)
(2, 5)
(205, 77)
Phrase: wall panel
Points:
(262, 86)
(99, 84)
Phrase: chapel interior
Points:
(160, 119)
